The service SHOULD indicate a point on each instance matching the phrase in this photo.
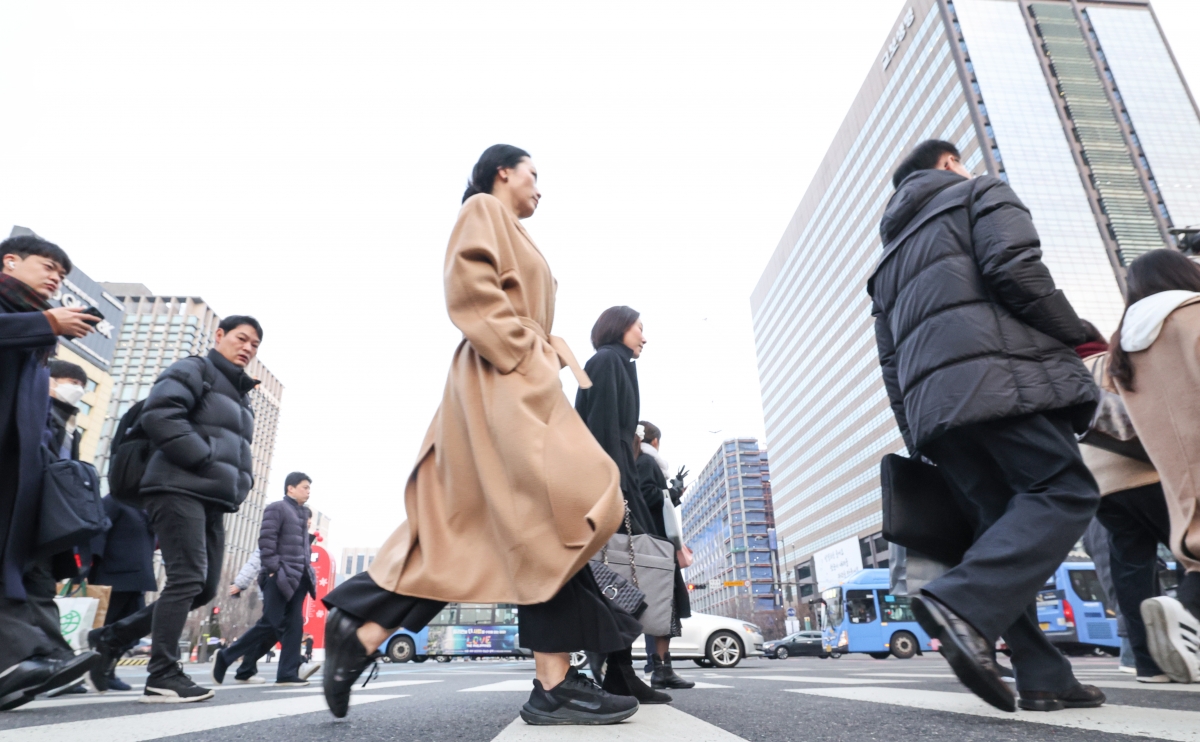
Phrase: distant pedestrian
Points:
(286, 576)
(247, 672)
(33, 659)
(1156, 366)
(200, 423)
(510, 495)
(68, 384)
(977, 351)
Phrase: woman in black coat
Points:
(610, 408)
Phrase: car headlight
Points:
(750, 628)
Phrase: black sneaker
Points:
(176, 687)
(115, 683)
(576, 700)
(219, 666)
(1078, 697)
(106, 665)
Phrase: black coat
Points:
(24, 410)
(285, 547)
(969, 324)
(610, 409)
(201, 440)
(124, 556)
(60, 414)
(652, 482)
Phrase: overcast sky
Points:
(304, 163)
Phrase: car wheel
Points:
(880, 655)
(835, 655)
(781, 653)
(703, 663)
(578, 659)
(724, 649)
(401, 649)
(442, 658)
(904, 645)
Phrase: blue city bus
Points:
(861, 615)
(460, 630)
(1074, 612)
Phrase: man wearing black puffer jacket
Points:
(976, 347)
(200, 424)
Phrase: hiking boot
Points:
(576, 700)
(1078, 697)
(1173, 636)
(663, 676)
(106, 665)
(967, 651)
(345, 659)
(219, 666)
(175, 687)
(623, 680)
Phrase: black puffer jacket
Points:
(201, 440)
(285, 547)
(969, 324)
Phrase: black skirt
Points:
(577, 618)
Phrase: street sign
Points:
(714, 584)
(791, 612)
(735, 583)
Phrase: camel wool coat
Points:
(510, 494)
(1165, 410)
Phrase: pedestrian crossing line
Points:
(198, 718)
(819, 679)
(649, 724)
(1137, 721)
(51, 703)
(934, 675)
(708, 686)
(524, 686)
(1134, 685)
(372, 686)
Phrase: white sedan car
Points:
(712, 641)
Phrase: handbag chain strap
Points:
(632, 564)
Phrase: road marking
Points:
(909, 674)
(649, 724)
(815, 679)
(524, 686)
(50, 703)
(198, 718)
(1134, 685)
(706, 686)
(1112, 719)
(372, 686)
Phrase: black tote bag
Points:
(920, 512)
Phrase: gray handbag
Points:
(649, 563)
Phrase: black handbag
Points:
(920, 512)
(72, 512)
(619, 590)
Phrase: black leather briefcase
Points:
(920, 512)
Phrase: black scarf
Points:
(17, 296)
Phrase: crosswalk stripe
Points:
(649, 724)
(707, 686)
(933, 675)
(1134, 685)
(198, 718)
(371, 686)
(524, 686)
(1169, 724)
(819, 679)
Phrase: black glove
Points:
(677, 485)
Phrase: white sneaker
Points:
(290, 683)
(1153, 679)
(1173, 634)
(308, 669)
(1127, 668)
(252, 680)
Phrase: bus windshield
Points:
(833, 606)
(860, 606)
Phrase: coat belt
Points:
(565, 356)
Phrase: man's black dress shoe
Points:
(345, 659)
(1078, 697)
(969, 654)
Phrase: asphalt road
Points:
(853, 698)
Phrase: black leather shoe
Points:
(969, 654)
(1078, 697)
(22, 682)
(345, 659)
(663, 676)
(106, 663)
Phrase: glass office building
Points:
(1078, 105)
(727, 516)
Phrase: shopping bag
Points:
(75, 619)
(103, 593)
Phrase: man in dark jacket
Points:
(976, 347)
(123, 558)
(68, 384)
(31, 270)
(286, 577)
(200, 423)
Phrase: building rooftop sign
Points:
(901, 32)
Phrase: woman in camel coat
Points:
(510, 494)
(1156, 365)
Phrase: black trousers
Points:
(191, 536)
(282, 621)
(1137, 522)
(30, 628)
(1023, 484)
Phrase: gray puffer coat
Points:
(969, 324)
(285, 546)
(201, 425)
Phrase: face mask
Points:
(69, 393)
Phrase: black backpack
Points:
(131, 447)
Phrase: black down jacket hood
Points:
(201, 436)
(969, 324)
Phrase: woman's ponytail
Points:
(493, 159)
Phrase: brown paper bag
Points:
(102, 593)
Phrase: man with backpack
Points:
(193, 434)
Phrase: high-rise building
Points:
(727, 518)
(156, 332)
(354, 559)
(1078, 105)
